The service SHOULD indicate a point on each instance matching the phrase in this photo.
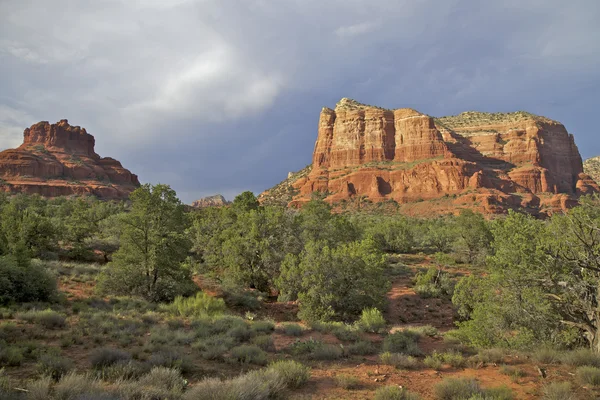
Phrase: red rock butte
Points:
(59, 160)
(490, 162)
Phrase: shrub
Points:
(394, 393)
(434, 283)
(240, 333)
(169, 359)
(293, 329)
(402, 342)
(106, 357)
(294, 374)
(225, 323)
(433, 362)
(347, 382)
(213, 347)
(304, 347)
(546, 356)
(327, 352)
(453, 358)
(73, 386)
(239, 298)
(400, 361)
(54, 366)
(581, 357)
(491, 356)
(558, 391)
(455, 389)
(265, 342)
(25, 283)
(263, 326)
(426, 330)
(361, 348)
(49, 319)
(371, 320)
(499, 393)
(513, 372)
(124, 370)
(196, 306)
(588, 375)
(39, 389)
(355, 279)
(11, 356)
(346, 333)
(249, 354)
(164, 378)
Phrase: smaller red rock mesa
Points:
(216, 200)
(489, 162)
(59, 160)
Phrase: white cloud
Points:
(354, 30)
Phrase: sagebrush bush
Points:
(39, 389)
(124, 370)
(327, 352)
(402, 342)
(49, 319)
(491, 356)
(74, 386)
(546, 356)
(293, 329)
(54, 366)
(588, 375)
(581, 357)
(294, 374)
(558, 391)
(105, 357)
(199, 305)
(10, 356)
(398, 360)
(263, 326)
(346, 333)
(265, 342)
(371, 320)
(457, 388)
(361, 348)
(164, 378)
(394, 393)
(249, 354)
(347, 382)
(433, 362)
(434, 283)
(303, 347)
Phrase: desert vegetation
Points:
(147, 299)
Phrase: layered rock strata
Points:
(483, 161)
(60, 160)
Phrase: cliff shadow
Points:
(463, 148)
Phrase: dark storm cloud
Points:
(223, 95)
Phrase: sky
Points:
(223, 96)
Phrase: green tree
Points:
(474, 235)
(153, 248)
(335, 283)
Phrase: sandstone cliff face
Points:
(210, 201)
(59, 160)
(483, 161)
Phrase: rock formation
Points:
(210, 201)
(59, 160)
(483, 161)
(591, 166)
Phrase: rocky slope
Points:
(59, 160)
(591, 166)
(210, 201)
(488, 162)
